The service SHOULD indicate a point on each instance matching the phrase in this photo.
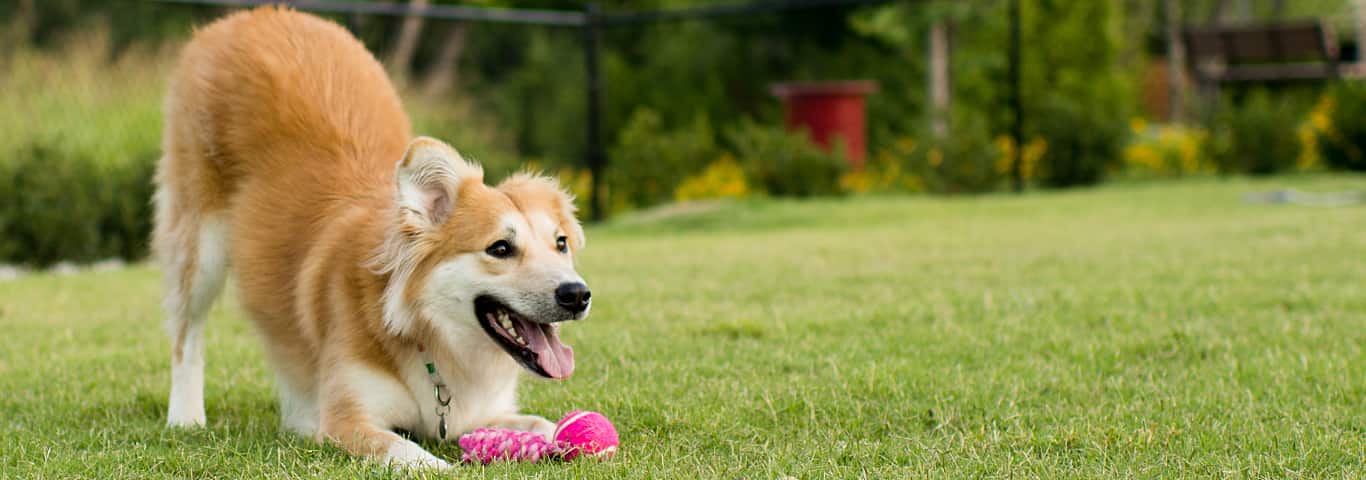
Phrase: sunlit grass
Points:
(1143, 330)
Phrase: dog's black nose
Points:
(573, 296)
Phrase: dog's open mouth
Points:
(536, 346)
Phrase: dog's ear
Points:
(429, 178)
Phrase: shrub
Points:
(965, 161)
(722, 179)
(1343, 142)
(55, 206)
(885, 171)
(1166, 151)
(1313, 131)
(1257, 136)
(1034, 150)
(1084, 139)
(79, 137)
(648, 162)
(785, 163)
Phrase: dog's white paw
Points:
(542, 426)
(184, 417)
(407, 454)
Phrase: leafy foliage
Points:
(1076, 96)
(722, 179)
(649, 163)
(1083, 144)
(1257, 136)
(965, 161)
(687, 111)
(785, 163)
(1344, 142)
(1166, 151)
(55, 206)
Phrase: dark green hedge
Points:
(1256, 134)
(57, 206)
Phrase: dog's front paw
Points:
(525, 423)
(409, 455)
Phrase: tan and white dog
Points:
(361, 254)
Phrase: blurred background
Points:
(697, 100)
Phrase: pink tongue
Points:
(556, 358)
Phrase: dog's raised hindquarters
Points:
(360, 254)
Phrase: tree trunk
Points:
(1176, 62)
(20, 29)
(1243, 14)
(405, 45)
(1220, 14)
(940, 82)
(1360, 16)
(446, 72)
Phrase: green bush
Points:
(79, 131)
(1085, 139)
(1256, 136)
(57, 206)
(964, 161)
(1344, 143)
(785, 163)
(648, 162)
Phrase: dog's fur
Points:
(288, 157)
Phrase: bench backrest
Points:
(1253, 52)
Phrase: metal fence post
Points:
(1016, 102)
(353, 21)
(597, 158)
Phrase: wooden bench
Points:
(1276, 52)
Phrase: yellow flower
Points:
(578, 182)
(905, 145)
(883, 172)
(1321, 117)
(856, 181)
(722, 179)
(1138, 124)
(1033, 152)
(1309, 147)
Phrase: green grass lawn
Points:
(1142, 330)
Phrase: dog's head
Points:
(473, 263)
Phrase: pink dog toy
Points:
(578, 433)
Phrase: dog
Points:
(395, 292)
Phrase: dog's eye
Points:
(562, 244)
(499, 249)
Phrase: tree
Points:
(405, 43)
(940, 81)
(446, 71)
(1176, 61)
